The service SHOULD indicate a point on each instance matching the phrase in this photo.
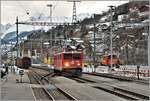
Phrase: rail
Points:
(65, 95)
(121, 92)
(118, 77)
(46, 91)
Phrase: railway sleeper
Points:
(121, 78)
(141, 96)
(111, 90)
(78, 80)
(35, 77)
(118, 93)
(70, 97)
(131, 92)
(87, 80)
(60, 94)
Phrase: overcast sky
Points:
(11, 9)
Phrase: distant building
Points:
(122, 17)
(144, 10)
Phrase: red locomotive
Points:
(107, 61)
(68, 63)
(24, 62)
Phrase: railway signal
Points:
(21, 72)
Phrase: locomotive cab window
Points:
(113, 56)
(76, 56)
(68, 56)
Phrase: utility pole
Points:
(94, 56)
(17, 36)
(20, 47)
(11, 56)
(23, 49)
(41, 47)
(148, 49)
(0, 52)
(111, 29)
(50, 6)
(51, 41)
(149, 43)
(127, 57)
(31, 48)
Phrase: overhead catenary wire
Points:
(22, 6)
(57, 2)
(44, 7)
(23, 16)
(90, 6)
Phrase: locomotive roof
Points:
(69, 52)
(110, 55)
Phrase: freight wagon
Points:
(24, 62)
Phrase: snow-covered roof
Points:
(103, 18)
(76, 38)
(90, 26)
(105, 23)
(68, 40)
(79, 41)
(90, 32)
(73, 47)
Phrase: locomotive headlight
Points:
(78, 64)
(66, 64)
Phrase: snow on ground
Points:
(128, 71)
(99, 69)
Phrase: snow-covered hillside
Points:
(4, 27)
(10, 33)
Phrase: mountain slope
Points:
(10, 33)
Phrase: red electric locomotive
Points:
(107, 61)
(68, 63)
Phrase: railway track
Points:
(107, 75)
(121, 92)
(121, 78)
(39, 93)
(53, 92)
(118, 91)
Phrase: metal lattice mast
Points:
(74, 16)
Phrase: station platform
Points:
(11, 89)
